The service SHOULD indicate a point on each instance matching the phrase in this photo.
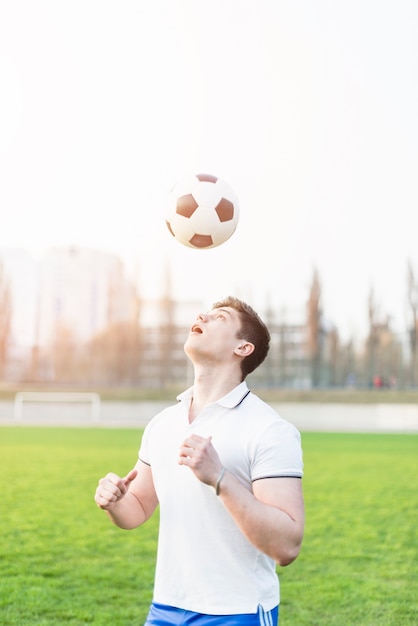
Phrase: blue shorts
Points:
(162, 615)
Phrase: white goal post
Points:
(93, 399)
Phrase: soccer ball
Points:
(202, 211)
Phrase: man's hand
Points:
(200, 455)
(112, 489)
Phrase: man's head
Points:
(252, 329)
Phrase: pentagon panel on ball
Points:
(203, 211)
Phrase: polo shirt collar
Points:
(230, 401)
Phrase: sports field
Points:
(62, 561)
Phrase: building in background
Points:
(165, 324)
(81, 292)
(21, 271)
(75, 319)
(59, 303)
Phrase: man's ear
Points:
(244, 349)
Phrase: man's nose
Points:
(202, 317)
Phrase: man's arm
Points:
(271, 517)
(128, 501)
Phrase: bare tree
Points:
(413, 307)
(63, 353)
(167, 329)
(334, 354)
(383, 354)
(114, 354)
(5, 317)
(372, 338)
(348, 364)
(314, 329)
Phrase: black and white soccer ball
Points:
(203, 211)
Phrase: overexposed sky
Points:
(308, 109)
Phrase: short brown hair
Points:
(253, 329)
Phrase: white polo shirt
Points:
(204, 562)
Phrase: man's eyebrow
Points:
(223, 310)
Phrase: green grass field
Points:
(62, 561)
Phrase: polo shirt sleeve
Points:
(277, 452)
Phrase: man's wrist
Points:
(218, 481)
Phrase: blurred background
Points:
(308, 110)
(75, 317)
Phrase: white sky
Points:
(307, 108)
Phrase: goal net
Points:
(59, 407)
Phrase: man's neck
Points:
(210, 386)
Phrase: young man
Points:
(226, 472)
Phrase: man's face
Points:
(214, 334)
